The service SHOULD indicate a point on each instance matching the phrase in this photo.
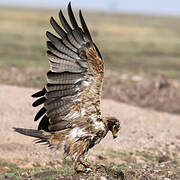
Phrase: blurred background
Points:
(139, 40)
(140, 43)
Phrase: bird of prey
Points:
(71, 117)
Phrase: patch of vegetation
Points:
(145, 165)
(7, 164)
(38, 173)
(151, 167)
(146, 155)
(12, 171)
(127, 157)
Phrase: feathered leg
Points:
(87, 167)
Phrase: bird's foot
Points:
(83, 167)
(85, 170)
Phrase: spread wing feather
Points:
(75, 78)
(59, 54)
(57, 28)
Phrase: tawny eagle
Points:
(71, 117)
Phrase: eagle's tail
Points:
(30, 132)
(42, 136)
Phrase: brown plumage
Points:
(71, 117)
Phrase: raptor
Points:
(70, 114)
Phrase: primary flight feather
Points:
(70, 117)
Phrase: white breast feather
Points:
(97, 124)
(77, 132)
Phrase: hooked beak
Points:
(115, 133)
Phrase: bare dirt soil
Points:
(153, 91)
(142, 130)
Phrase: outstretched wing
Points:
(74, 81)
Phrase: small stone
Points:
(103, 178)
(88, 170)
(36, 164)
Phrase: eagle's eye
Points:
(115, 130)
(113, 125)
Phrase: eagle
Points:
(70, 114)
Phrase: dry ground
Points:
(143, 133)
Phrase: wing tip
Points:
(64, 22)
(52, 20)
(69, 4)
(84, 26)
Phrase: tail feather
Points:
(43, 137)
(32, 133)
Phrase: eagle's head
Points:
(113, 125)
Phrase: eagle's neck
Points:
(106, 122)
